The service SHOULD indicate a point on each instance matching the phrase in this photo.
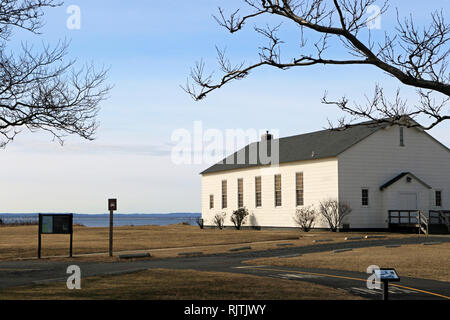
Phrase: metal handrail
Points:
(423, 219)
(413, 217)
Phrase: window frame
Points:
(278, 191)
(240, 195)
(297, 189)
(362, 197)
(211, 201)
(258, 205)
(224, 194)
(436, 198)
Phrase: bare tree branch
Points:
(417, 58)
(37, 90)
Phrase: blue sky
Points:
(150, 47)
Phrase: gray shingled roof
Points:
(310, 146)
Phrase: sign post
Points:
(55, 224)
(112, 206)
(386, 275)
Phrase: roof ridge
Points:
(342, 128)
(306, 146)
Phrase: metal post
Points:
(39, 237)
(71, 235)
(111, 225)
(70, 250)
(385, 290)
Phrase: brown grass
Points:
(419, 261)
(162, 241)
(180, 285)
(21, 241)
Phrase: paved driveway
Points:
(16, 273)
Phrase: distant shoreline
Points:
(106, 213)
(102, 219)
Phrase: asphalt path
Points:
(30, 272)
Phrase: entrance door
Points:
(407, 201)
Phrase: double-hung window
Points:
(278, 190)
(365, 197)
(240, 193)
(224, 194)
(211, 201)
(438, 198)
(299, 188)
(258, 194)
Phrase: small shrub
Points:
(239, 217)
(219, 220)
(334, 212)
(200, 222)
(305, 218)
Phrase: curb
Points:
(135, 255)
(323, 240)
(430, 243)
(342, 250)
(353, 238)
(284, 244)
(240, 249)
(374, 237)
(190, 254)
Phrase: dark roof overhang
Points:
(399, 177)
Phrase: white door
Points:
(407, 201)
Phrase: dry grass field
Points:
(420, 261)
(21, 241)
(180, 284)
(162, 241)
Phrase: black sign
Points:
(55, 223)
(112, 204)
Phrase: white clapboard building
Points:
(386, 173)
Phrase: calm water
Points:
(102, 220)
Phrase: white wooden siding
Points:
(379, 158)
(368, 164)
(320, 181)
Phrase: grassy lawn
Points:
(21, 241)
(428, 262)
(161, 241)
(184, 285)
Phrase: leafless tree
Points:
(417, 57)
(219, 220)
(239, 217)
(305, 217)
(38, 90)
(200, 222)
(334, 212)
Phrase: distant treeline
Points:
(28, 221)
